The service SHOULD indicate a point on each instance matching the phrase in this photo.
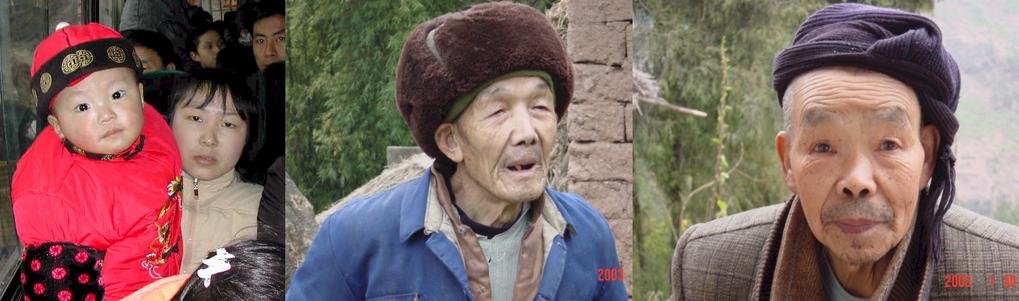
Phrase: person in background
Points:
(268, 28)
(204, 44)
(155, 50)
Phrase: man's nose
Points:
(524, 132)
(270, 47)
(858, 181)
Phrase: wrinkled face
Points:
(150, 59)
(269, 41)
(211, 139)
(857, 157)
(503, 139)
(100, 114)
(209, 45)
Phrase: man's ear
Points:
(447, 140)
(930, 138)
(194, 57)
(52, 120)
(782, 147)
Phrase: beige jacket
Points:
(218, 212)
(769, 254)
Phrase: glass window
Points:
(23, 23)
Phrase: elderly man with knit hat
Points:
(481, 90)
(868, 96)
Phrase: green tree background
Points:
(688, 169)
(341, 111)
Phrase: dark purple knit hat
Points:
(902, 45)
(451, 55)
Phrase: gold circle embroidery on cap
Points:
(84, 58)
(45, 81)
(116, 54)
(69, 64)
(73, 61)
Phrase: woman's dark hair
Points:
(256, 273)
(211, 81)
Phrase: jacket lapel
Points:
(790, 270)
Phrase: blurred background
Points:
(716, 57)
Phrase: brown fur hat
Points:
(455, 53)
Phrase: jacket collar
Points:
(216, 184)
(421, 211)
(790, 269)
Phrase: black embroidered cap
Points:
(72, 53)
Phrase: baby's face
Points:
(100, 114)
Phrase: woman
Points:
(216, 122)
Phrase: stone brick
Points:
(600, 161)
(628, 62)
(599, 43)
(628, 123)
(622, 232)
(593, 11)
(601, 83)
(596, 122)
(614, 199)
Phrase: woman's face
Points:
(211, 139)
(209, 45)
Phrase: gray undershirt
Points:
(503, 252)
(832, 286)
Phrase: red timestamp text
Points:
(611, 274)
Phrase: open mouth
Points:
(523, 165)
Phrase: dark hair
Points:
(259, 11)
(256, 272)
(192, 41)
(155, 41)
(249, 108)
(197, 16)
(238, 59)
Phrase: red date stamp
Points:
(611, 274)
(992, 280)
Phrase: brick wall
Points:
(598, 125)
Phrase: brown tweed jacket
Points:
(737, 258)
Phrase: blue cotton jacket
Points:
(375, 248)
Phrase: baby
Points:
(97, 196)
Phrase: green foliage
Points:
(341, 111)
(731, 152)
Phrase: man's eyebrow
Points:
(542, 85)
(492, 91)
(890, 115)
(281, 31)
(812, 117)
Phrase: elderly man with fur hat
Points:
(482, 91)
(868, 95)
